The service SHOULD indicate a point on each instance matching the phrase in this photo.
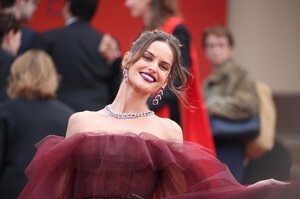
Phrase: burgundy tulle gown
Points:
(130, 166)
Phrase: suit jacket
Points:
(27, 39)
(86, 77)
(22, 124)
(6, 60)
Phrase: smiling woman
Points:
(126, 151)
(152, 63)
(153, 67)
(170, 60)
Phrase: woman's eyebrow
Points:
(154, 57)
(150, 53)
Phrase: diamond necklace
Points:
(117, 115)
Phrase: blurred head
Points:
(154, 61)
(10, 33)
(138, 7)
(22, 9)
(27, 8)
(33, 76)
(218, 44)
(156, 11)
(83, 9)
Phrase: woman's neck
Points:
(129, 101)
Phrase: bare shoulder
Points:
(78, 116)
(172, 129)
(77, 120)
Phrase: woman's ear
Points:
(167, 80)
(164, 86)
(126, 59)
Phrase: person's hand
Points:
(109, 48)
(268, 182)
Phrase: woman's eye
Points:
(164, 67)
(147, 57)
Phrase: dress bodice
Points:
(117, 168)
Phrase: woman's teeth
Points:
(147, 77)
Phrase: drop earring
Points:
(125, 75)
(158, 97)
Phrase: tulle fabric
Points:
(102, 165)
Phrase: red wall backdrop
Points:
(114, 18)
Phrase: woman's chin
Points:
(145, 90)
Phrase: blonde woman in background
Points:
(30, 114)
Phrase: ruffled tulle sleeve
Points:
(101, 165)
(48, 172)
(194, 173)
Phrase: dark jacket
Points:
(6, 59)
(86, 77)
(22, 124)
(27, 40)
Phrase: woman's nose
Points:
(153, 67)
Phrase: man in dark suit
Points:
(6, 59)
(23, 11)
(10, 39)
(86, 74)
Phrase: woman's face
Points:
(138, 7)
(151, 71)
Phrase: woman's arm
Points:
(172, 181)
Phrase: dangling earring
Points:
(125, 75)
(158, 97)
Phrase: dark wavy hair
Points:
(177, 71)
(84, 9)
(7, 3)
(7, 23)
